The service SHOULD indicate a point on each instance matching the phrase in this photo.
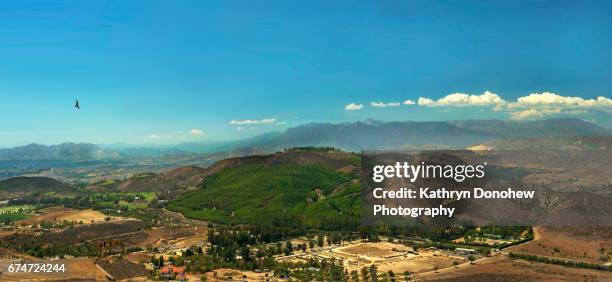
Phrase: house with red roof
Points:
(171, 272)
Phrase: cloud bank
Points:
(548, 99)
(532, 106)
(196, 132)
(254, 121)
(463, 100)
(384, 105)
(353, 107)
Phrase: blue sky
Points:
(180, 71)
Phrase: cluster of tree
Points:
(484, 250)
(268, 233)
(570, 263)
(248, 248)
(310, 149)
(87, 200)
(372, 274)
(52, 250)
(53, 245)
(333, 238)
(159, 262)
(503, 232)
(9, 216)
(234, 248)
(318, 270)
(433, 231)
(58, 224)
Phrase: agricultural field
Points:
(61, 214)
(121, 269)
(226, 274)
(583, 244)
(12, 217)
(16, 208)
(589, 245)
(12, 213)
(502, 268)
(385, 255)
(175, 238)
(374, 251)
(390, 256)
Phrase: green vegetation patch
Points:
(280, 195)
(16, 209)
(10, 217)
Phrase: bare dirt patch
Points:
(425, 261)
(388, 256)
(376, 250)
(174, 238)
(139, 257)
(502, 268)
(226, 274)
(59, 214)
(120, 269)
(583, 244)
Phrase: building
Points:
(171, 272)
(463, 251)
(493, 236)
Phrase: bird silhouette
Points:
(76, 105)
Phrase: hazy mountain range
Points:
(355, 136)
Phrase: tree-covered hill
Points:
(34, 185)
(310, 188)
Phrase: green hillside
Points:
(34, 185)
(309, 196)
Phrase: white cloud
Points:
(196, 132)
(353, 107)
(154, 136)
(254, 121)
(383, 104)
(533, 113)
(552, 99)
(462, 100)
(534, 105)
(538, 105)
(425, 101)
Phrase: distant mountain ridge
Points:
(539, 128)
(64, 151)
(371, 134)
(353, 136)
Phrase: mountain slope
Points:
(320, 188)
(26, 185)
(538, 128)
(299, 188)
(64, 151)
(168, 181)
(375, 135)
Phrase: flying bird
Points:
(76, 105)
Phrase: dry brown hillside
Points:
(168, 181)
(329, 158)
(182, 177)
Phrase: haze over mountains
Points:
(365, 135)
